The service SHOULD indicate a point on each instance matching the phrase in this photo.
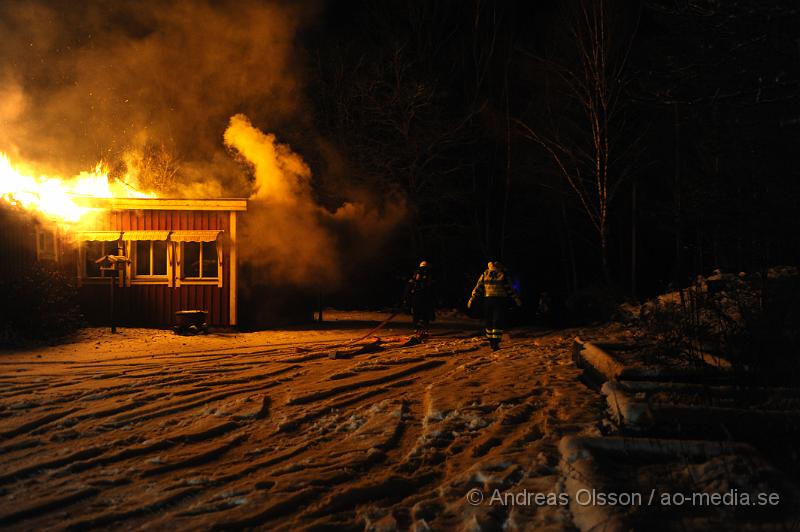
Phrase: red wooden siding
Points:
(17, 243)
(155, 305)
(147, 220)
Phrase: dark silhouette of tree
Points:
(419, 103)
(155, 167)
(728, 75)
(584, 130)
(573, 137)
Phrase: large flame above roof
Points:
(54, 197)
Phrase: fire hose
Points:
(377, 328)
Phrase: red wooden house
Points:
(180, 255)
(183, 256)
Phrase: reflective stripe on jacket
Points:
(494, 283)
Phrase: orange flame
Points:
(55, 197)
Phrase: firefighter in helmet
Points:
(496, 289)
(420, 298)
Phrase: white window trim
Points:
(83, 276)
(174, 276)
(135, 279)
(42, 254)
(181, 280)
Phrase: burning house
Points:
(139, 259)
(170, 255)
(182, 255)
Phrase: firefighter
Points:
(496, 289)
(544, 311)
(419, 296)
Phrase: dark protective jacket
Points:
(419, 290)
(494, 283)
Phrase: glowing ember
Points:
(55, 197)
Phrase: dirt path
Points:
(300, 432)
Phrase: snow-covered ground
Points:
(288, 429)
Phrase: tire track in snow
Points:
(336, 390)
(192, 440)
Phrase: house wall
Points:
(17, 243)
(154, 305)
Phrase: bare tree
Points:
(727, 73)
(155, 168)
(397, 114)
(587, 140)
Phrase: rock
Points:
(782, 272)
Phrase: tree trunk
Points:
(570, 249)
(676, 197)
(633, 240)
(507, 189)
(604, 252)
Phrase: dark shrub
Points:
(40, 306)
(592, 304)
(752, 321)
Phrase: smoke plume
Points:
(149, 87)
(146, 86)
(290, 238)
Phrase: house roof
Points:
(166, 204)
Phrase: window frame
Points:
(133, 254)
(174, 277)
(106, 247)
(41, 235)
(181, 279)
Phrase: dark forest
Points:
(603, 150)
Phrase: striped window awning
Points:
(200, 235)
(145, 235)
(100, 236)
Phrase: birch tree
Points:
(584, 133)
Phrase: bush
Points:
(593, 304)
(753, 321)
(41, 306)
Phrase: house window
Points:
(45, 244)
(94, 250)
(200, 260)
(151, 258)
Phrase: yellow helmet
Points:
(423, 264)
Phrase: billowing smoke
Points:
(290, 238)
(150, 87)
(146, 86)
